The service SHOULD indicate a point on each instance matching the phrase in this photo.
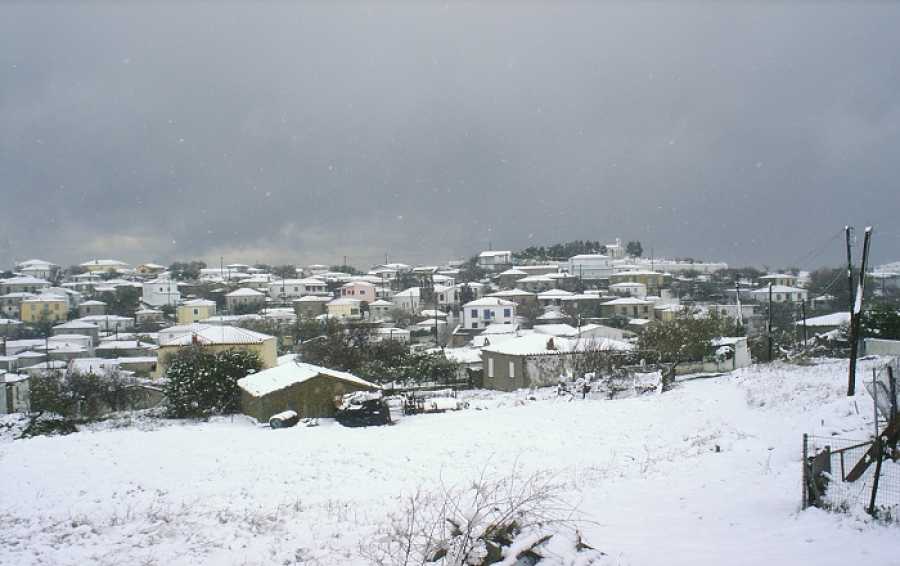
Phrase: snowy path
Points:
(645, 470)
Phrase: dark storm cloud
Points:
(271, 132)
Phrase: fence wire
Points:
(833, 466)
(835, 458)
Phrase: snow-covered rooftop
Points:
(833, 319)
(512, 293)
(292, 373)
(218, 335)
(534, 344)
(489, 302)
(245, 292)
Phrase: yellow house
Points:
(344, 308)
(150, 269)
(668, 313)
(653, 280)
(219, 339)
(104, 265)
(195, 311)
(44, 308)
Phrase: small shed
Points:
(308, 389)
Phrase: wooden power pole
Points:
(769, 329)
(856, 313)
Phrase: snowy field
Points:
(707, 474)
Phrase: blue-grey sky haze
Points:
(305, 132)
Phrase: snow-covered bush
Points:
(201, 382)
(76, 395)
(506, 521)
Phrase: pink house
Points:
(359, 290)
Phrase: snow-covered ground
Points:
(706, 474)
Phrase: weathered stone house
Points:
(311, 391)
(536, 360)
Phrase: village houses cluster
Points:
(495, 315)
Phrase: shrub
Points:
(486, 522)
(201, 383)
(79, 395)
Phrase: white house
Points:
(489, 310)
(615, 250)
(780, 294)
(783, 279)
(590, 267)
(553, 296)
(37, 268)
(244, 298)
(629, 289)
(408, 300)
(160, 292)
(447, 295)
(493, 260)
(286, 289)
(23, 285)
(380, 310)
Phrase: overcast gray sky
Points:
(304, 133)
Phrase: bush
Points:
(685, 338)
(84, 396)
(201, 383)
(486, 522)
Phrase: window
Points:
(487, 314)
(474, 324)
(474, 313)
(490, 367)
(196, 312)
(507, 313)
(512, 370)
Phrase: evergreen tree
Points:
(201, 382)
(634, 248)
(685, 338)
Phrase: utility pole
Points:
(737, 297)
(847, 233)
(436, 309)
(769, 330)
(803, 313)
(856, 313)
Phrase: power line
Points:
(817, 251)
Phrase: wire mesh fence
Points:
(848, 474)
(830, 482)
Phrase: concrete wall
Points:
(878, 347)
(496, 368)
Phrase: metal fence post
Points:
(878, 458)
(805, 474)
(893, 386)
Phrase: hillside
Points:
(706, 474)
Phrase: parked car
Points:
(364, 408)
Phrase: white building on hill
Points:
(489, 310)
(160, 292)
